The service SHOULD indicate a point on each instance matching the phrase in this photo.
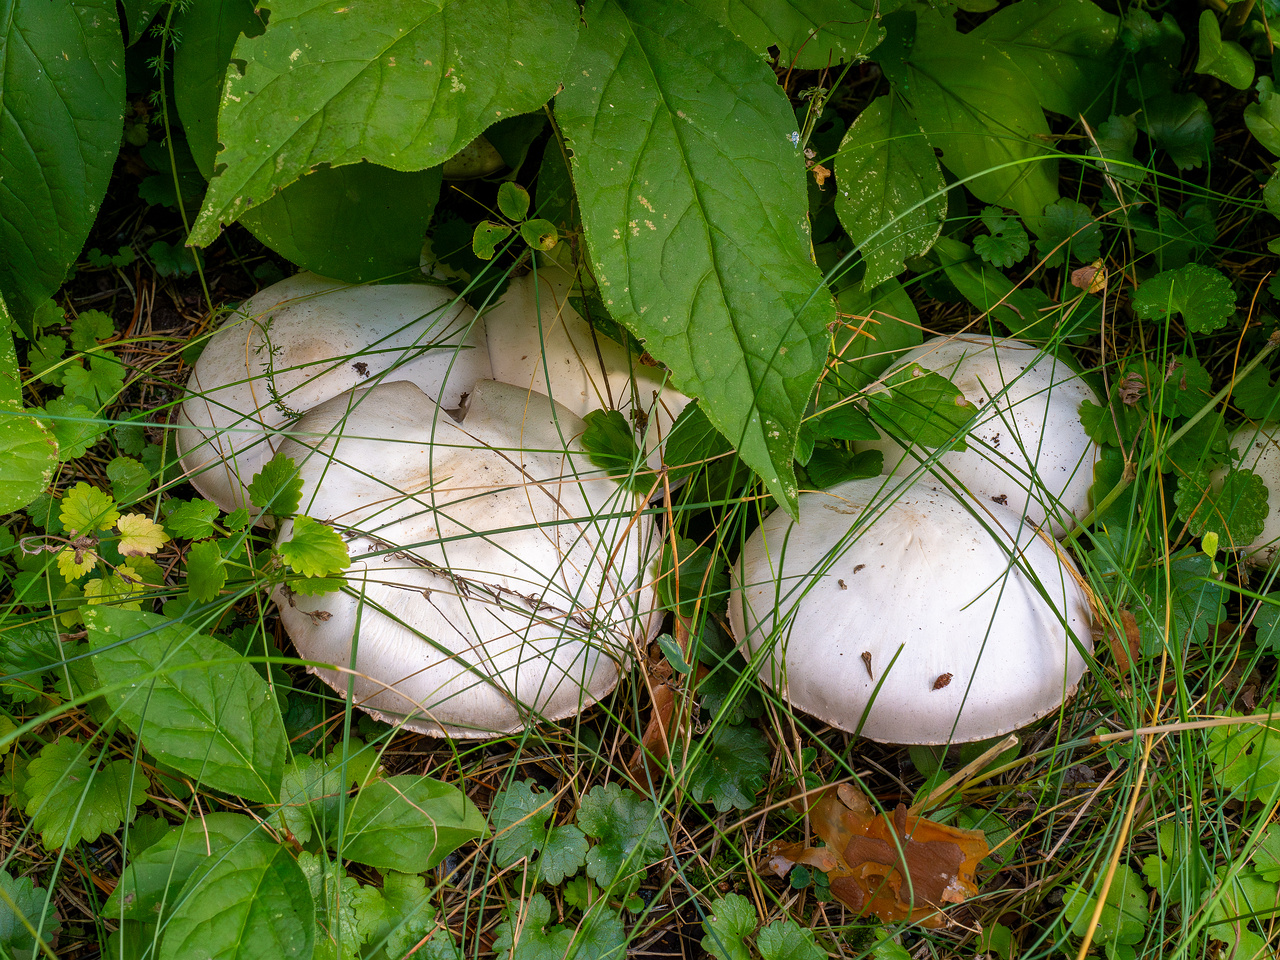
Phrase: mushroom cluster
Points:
(497, 577)
(936, 611)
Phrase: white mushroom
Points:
(901, 612)
(496, 578)
(1028, 449)
(301, 341)
(1259, 448)
(584, 370)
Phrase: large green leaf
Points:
(979, 109)
(154, 877)
(809, 34)
(409, 823)
(686, 162)
(356, 223)
(877, 327)
(189, 701)
(401, 83)
(61, 115)
(889, 188)
(1063, 50)
(29, 453)
(209, 31)
(253, 903)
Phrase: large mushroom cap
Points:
(1259, 448)
(910, 615)
(1028, 449)
(584, 370)
(301, 341)
(496, 577)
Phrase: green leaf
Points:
(1201, 294)
(488, 236)
(1246, 759)
(424, 81)
(277, 488)
(877, 327)
(1180, 871)
(1196, 601)
(1180, 124)
(732, 919)
(29, 453)
(809, 34)
(513, 201)
(315, 549)
(731, 769)
(714, 185)
(1244, 896)
(1124, 913)
(979, 111)
(540, 234)
(1068, 232)
(1006, 244)
(1263, 118)
(519, 816)
(62, 100)
(172, 261)
(252, 903)
(1062, 50)
(890, 195)
(692, 442)
(129, 479)
(831, 464)
(206, 570)
(193, 519)
(1224, 59)
(409, 823)
(1113, 143)
(923, 405)
(152, 879)
(189, 701)
(1234, 509)
(409, 917)
(528, 935)
(97, 384)
(70, 797)
(356, 223)
(23, 909)
(1266, 857)
(629, 830)
(610, 443)
(787, 940)
(702, 572)
(89, 327)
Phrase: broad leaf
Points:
(1201, 294)
(1063, 50)
(980, 111)
(399, 83)
(686, 162)
(1224, 59)
(189, 701)
(253, 903)
(628, 827)
(29, 453)
(809, 34)
(1263, 118)
(731, 920)
(62, 101)
(732, 768)
(24, 907)
(890, 195)
(153, 878)
(409, 823)
(73, 794)
(923, 407)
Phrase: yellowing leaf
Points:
(139, 535)
(75, 562)
(86, 508)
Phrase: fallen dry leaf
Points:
(897, 867)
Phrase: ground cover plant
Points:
(767, 204)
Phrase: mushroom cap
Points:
(584, 370)
(496, 579)
(1259, 447)
(301, 341)
(921, 590)
(1029, 403)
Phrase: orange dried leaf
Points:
(897, 868)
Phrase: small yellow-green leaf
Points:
(140, 536)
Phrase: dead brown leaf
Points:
(897, 867)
